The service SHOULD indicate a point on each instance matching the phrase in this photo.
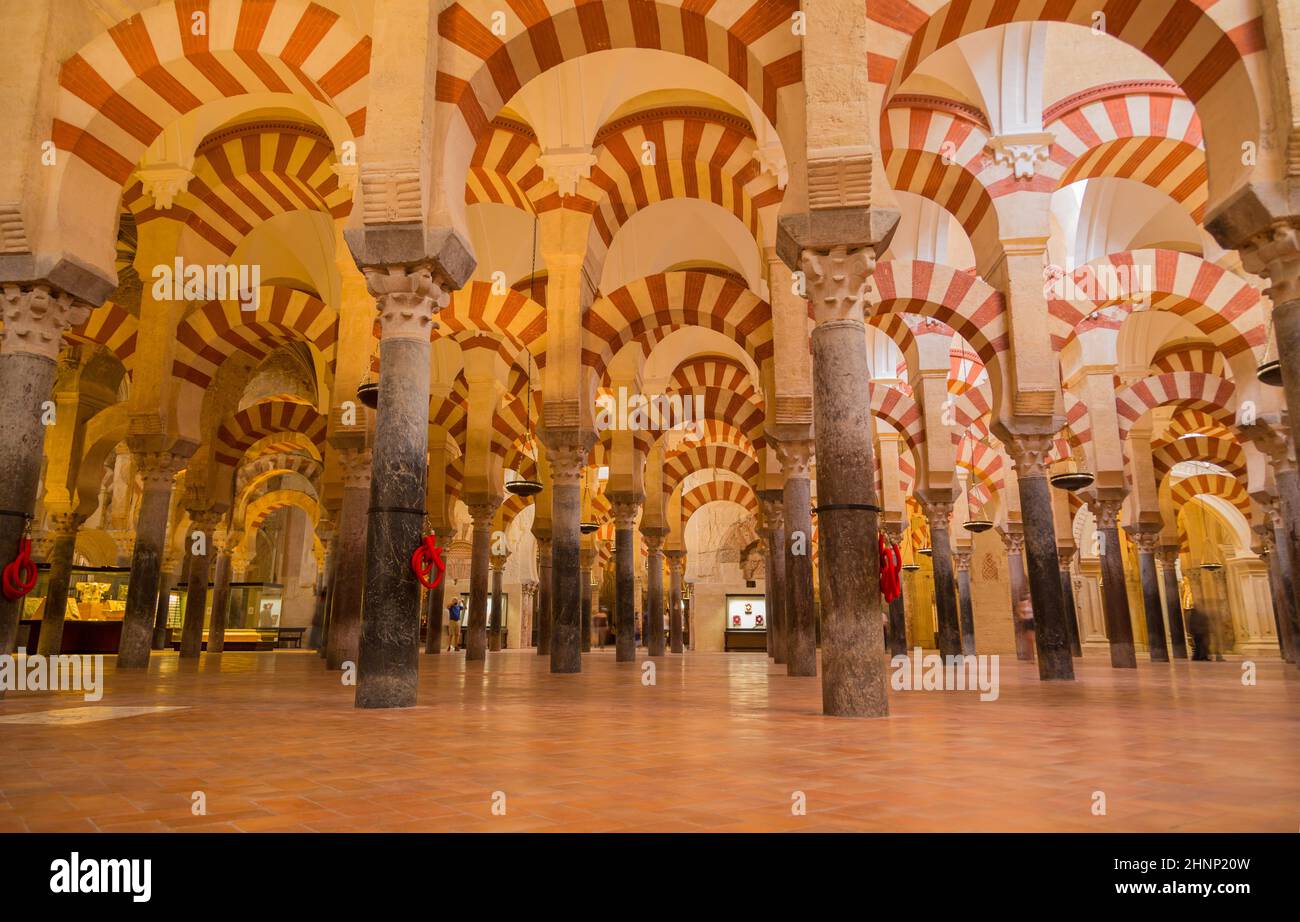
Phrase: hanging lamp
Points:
(1270, 370)
(525, 486)
(1076, 477)
(973, 525)
(1209, 558)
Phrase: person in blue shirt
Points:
(453, 623)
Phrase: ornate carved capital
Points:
(481, 510)
(498, 561)
(939, 513)
(838, 281)
(625, 510)
(796, 457)
(654, 543)
(1021, 153)
(1029, 454)
(1275, 255)
(162, 182)
(1168, 555)
(566, 166)
(355, 464)
(1106, 512)
(1013, 541)
(676, 561)
(567, 463)
(36, 316)
(1148, 542)
(961, 560)
(64, 524)
(406, 298)
(773, 509)
(158, 469)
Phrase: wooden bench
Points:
(290, 638)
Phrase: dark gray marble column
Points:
(567, 457)
(220, 602)
(1014, 542)
(328, 534)
(777, 629)
(1119, 627)
(1286, 541)
(654, 611)
(482, 511)
(945, 598)
(331, 581)
(157, 472)
(897, 608)
(1148, 543)
(798, 615)
(435, 601)
(962, 561)
(542, 609)
(1051, 636)
(588, 591)
(625, 512)
(35, 317)
(64, 526)
(343, 634)
(388, 657)
(854, 681)
(1071, 612)
(167, 580)
(497, 641)
(676, 566)
(1173, 603)
(197, 571)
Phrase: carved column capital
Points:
(64, 524)
(1167, 555)
(1106, 512)
(676, 560)
(838, 282)
(773, 506)
(1274, 254)
(406, 299)
(938, 512)
(355, 465)
(481, 510)
(567, 462)
(796, 457)
(158, 469)
(654, 542)
(1013, 541)
(36, 317)
(625, 509)
(1148, 542)
(498, 561)
(1029, 454)
(961, 560)
(1022, 152)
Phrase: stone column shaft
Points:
(799, 617)
(197, 571)
(654, 613)
(625, 511)
(498, 639)
(778, 644)
(1148, 542)
(1016, 575)
(480, 561)
(542, 614)
(220, 602)
(1119, 627)
(1071, 614)
(567, 576)
(587, 593)
(1173, 604)
(1287, 525)
(945, 599)
(56, 592)
(166, 582)
(158, 472)
(344, 631)
(676, 564)
(435, 600)
(962, 560)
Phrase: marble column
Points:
(482, 511)
(220, 600)
(35, 317)
(166, 582)
(676, 566)
(435, 600)
(542, 614)
(588, 558)
(1285, 561)
(1148, 543)
(1173, 602)
(797, 611)
(774, 519)
(961, 559)
(344, 631)
(157, 472)
(63, 528)
(1051, 637)
(1119, 628)
(567, 458)
(328, 534)
(945, 599)
(497, 640)
(1015, 545)
(898, 607)
(388, 659)
(197, 571)
(654, 612)
(625, 512)
(1071, 612)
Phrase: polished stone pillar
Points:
(567, 457)
(897, 608)
(388, 659)
(1071, 611)
(331, 581)
(343, 635)
(166, 581)
(589, 589)
(35, 317)
(435, 599)
(1148, 543)
(854, 682)
(482, 511)
(220, 601)
(625, 510)
(328, 534)
(797, 611)
(1015, 543)
(778, 645)
(542, 610)
(676, 566)
(63, 528)
(197, 571)
(497, 640)
(654, 611)
(1285, 562)
(1051, 637)
(945, 599)
(962, 561)
(157, 472)
(1173, 603)
(1119, 627)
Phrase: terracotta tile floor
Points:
(721, 743)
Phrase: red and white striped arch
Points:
(718, 491)
(715, 371)
(1188, 421)
(1147, 131)
(975, 310)
(1184, 356)
(1229, 488)
(901, 412)
(475, 308)
(647, 310)
(241, 430)
(110, 325)
(504, 167)
(1187, 389)
(1226, 453)
(689, 459)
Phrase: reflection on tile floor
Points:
(720, 743)
(79, 715)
